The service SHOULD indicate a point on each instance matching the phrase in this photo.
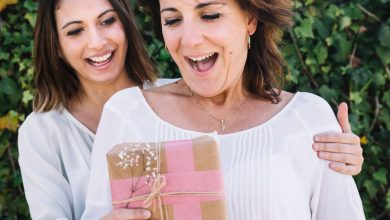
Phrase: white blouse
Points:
(270, 171)
(54, 157)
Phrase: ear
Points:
(251, 24)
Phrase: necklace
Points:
(222, 122)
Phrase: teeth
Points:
(201, 58)
(102, 58)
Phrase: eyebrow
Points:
(79, 22)
(199, 6)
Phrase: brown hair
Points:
(56, 81)
(263, 72)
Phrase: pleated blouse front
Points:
(270, 171)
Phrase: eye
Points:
(108, 21)
(211, 17)
(172, 21)
(74, 32)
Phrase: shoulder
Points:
(39, 131)
(308, 102)
(165, 95)
(160, 82)
(314, 111)
(124, 100)
(42, 120)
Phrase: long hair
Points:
(263, 72)
(55, 80)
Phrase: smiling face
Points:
(92, 40)
(208, 41)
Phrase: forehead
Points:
(80, 9)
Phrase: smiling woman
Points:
(71, 45)
(81, 58)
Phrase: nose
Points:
(191, 34)
(96, 39)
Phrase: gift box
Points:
(176, 180)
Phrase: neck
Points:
(227, 98)
(223, 107)
(87, 107)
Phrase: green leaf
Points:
(345, 22)
(386, 98)
(30, 5)
(384, 54)
(371, 188)
(27, 97)
(343, 47)
(384, 36)
(379, 79)
(355, 97)
(388, 197)
(8, 86)
(333, 11)
(322, 29)
(31, 17)
(381, 176)
(327, 93)
(321, 53)
(305, 29)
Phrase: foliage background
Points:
(337, 49)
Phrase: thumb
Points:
(342, 117)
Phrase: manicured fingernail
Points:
(315, 146)
(147, 214)
(316, 138)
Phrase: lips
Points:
(99, 61)
(202, 63)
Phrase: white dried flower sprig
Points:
(140, 154)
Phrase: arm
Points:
(341, 147)
(98, 201)
(48, 193)
(336, 197)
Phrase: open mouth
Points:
(203, 63)
(101, 60)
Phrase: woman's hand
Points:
(341, 148)
(128, 214)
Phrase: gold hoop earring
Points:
(249, 41)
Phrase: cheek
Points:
(120, 34)
(171, 39)
(72, 50)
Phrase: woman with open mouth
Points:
(227, 53)
(84, 52)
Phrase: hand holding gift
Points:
(174, 179)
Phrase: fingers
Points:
(348, 159)
(128, 214)
(342, 117)
(344, 138)
(345, 169)
(338, 148)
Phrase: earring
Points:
(249, 41)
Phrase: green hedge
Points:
(337, 49)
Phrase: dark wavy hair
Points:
(263, 72)
(55, 80)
